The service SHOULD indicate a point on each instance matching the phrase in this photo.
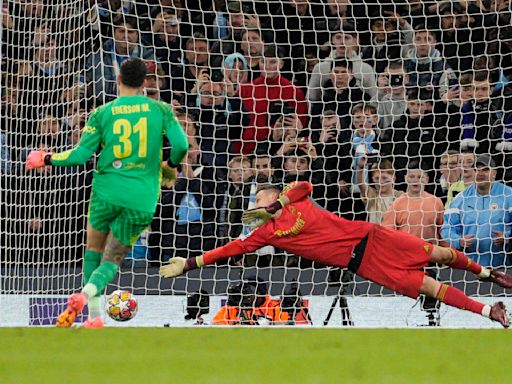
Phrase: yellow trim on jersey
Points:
(62, 156)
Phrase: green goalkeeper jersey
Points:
(129, 131)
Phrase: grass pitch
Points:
(206, 355)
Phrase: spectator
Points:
(47, 75)
(378, 195)
(286, 132)
(165, 36)
(392, 105)
(425, 65)
(236, 72)
(306, 26)
(416, 212)
(220, 118)
(263, 168)
(449, 169)
(413, 136)
(479, 218)
(259, 94)
(155, 80)
(467, 164)
(420, 214)
(251, 46)
(195, 61)
(458, 43)
(249, 304)
(238, 20)
(392, 38)
(477, 117)
(333, 145)
(103, 66)
(233, 198)
(363, 143)
(345, 43)
(341, 90)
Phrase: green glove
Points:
(255, 218)
(169, 176)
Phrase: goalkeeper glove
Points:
(255, 218)
(169, 175)
(179, 265)
(38, 159)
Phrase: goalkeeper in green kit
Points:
(126, 183)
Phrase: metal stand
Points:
(341, 279)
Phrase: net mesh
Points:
(375, 103)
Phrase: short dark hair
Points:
(123, 20)
(271, 51)
(481, 75)
(395, 64)
(297, 152)
(466, 79)
(420, 94)
(342, 63)
(268, 187)
(133, 72)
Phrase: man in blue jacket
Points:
(479, 218)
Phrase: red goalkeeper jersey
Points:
(303, 229)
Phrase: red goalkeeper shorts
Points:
(395, 260)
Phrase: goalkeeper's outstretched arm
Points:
(180, 265)
(88, 144)
(257, 239)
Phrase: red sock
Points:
(456, 298)
(461, 261)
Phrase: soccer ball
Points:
(121, 306)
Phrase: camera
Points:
(396, 80)
(248, 9)
(372, 158)
(337, 277)
(277, 109)
(216, 76)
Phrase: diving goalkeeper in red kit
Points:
(289, 220)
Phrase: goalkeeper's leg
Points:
(125, 230)
(456, 298)
(458, 260)
(92, 259)
(93, 254)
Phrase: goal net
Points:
(398, 113)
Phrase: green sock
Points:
(94, 305)
(92, 260)
(101, 276)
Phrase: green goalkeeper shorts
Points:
(125, 224)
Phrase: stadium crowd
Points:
(398, 113)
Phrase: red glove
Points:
(36, 159)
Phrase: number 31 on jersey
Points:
(126, 132)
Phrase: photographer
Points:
(296, 307)
(249, 304)
(198, 304)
